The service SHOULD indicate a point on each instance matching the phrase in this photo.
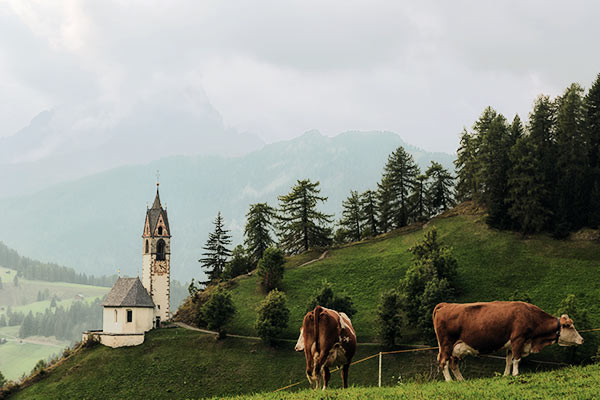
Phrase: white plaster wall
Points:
(121, 341)
(161, 289)
(141, 321)
(146, 272)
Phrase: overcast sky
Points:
(279, 68)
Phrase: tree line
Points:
(36, 270)
(539, 176)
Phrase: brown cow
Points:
(328, 339)
(518, 327)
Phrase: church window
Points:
(160, 250)
(129, 315)
(116, 316)
(147, 246)
(160, 230)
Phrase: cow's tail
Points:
(318, 310)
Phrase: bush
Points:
(389, 317)
(218, 311)
(2, 380)
(520, 296)
(325, 297)
(273, 316)
(587, 351)
(240, 263)
(271, 268)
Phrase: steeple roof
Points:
(128, 292)
(153, 214)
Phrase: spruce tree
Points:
(592, 137)
(258, 230)
(216, 251)
(571, 161)
(301, 225)
(466, 163)
(419, 199)
(439, 192)
(368, 203)
(385, 205)
(352, 216)
(401, 172)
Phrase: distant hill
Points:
(94, 224)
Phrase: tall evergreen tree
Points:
(216, 251)
(440, 189)
(368, 203)
(466, 163)
(385, 205)
(352, 216)
(592, 134)
(258, 230)
(571, 160)
(301, 225)
(401, 172)
(419, 199)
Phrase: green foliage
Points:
(218, 311)
(352, 217)
(581, 319)
(16, 281)
(271, 268)
(439, 192)
(389, 317)
(3, 322)
(301, 226)
(467, 164)
(520, 296)
(240, 263)
(39, 367)
(258, 230)
(272, 316)
(2, 380)
(325, 297)
(368, 201)
(429, 281)
(216, 251)
(419, 200)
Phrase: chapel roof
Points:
(128, 292)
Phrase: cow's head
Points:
(300, 342)
(568, 334)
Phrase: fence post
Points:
(379, 369)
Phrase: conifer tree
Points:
(571, 161)
(385, 205)
(592, 134)
(216, 251)
(301, 225)
(400, 171)
(352, 216)
(440, 196)
(419, 199)
(368, 203)
(466, 163)
(0, 283)
(258, 230)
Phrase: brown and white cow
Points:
(328, 340)
(479, 328)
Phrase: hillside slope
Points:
(491, 266)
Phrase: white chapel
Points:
(133, 307)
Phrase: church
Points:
(133, 307)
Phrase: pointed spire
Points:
(156, 204)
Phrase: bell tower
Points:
(156, 259)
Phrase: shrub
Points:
(389, 318)
(218, 311)
(325, 297)
(240, 263)
(271, 268)
(584, 353)
(273, 316)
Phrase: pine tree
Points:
(439, 192)
(384, 205)
(466, 163)
(571, 160)
(3, 322)
(516, 130)
(301, 225)
(258, 230)
(526, 188)
(216, 251)
(16, 281)
(400, 171)
(368, 203)
(592, 134)
(419, 199)
(352, 216)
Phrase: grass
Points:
(178, 363)
(492, 265)
(568, 383)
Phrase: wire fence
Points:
(382, 353)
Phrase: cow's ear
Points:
(564, 318)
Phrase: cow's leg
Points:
(509, 359)
(454, 366)
(326, 375)
(517, 351)
(444, 358)
(345, 369)
(515, 364)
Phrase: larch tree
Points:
(258, 230)
(368, 203)
(384, 205)
(440, 191)
(301, 225)
(216, 252)
(418, 199)
(352, 216)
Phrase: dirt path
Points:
(322, 256)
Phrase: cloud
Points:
(277, 68)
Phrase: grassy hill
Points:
(179, 363)
(492, 265)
